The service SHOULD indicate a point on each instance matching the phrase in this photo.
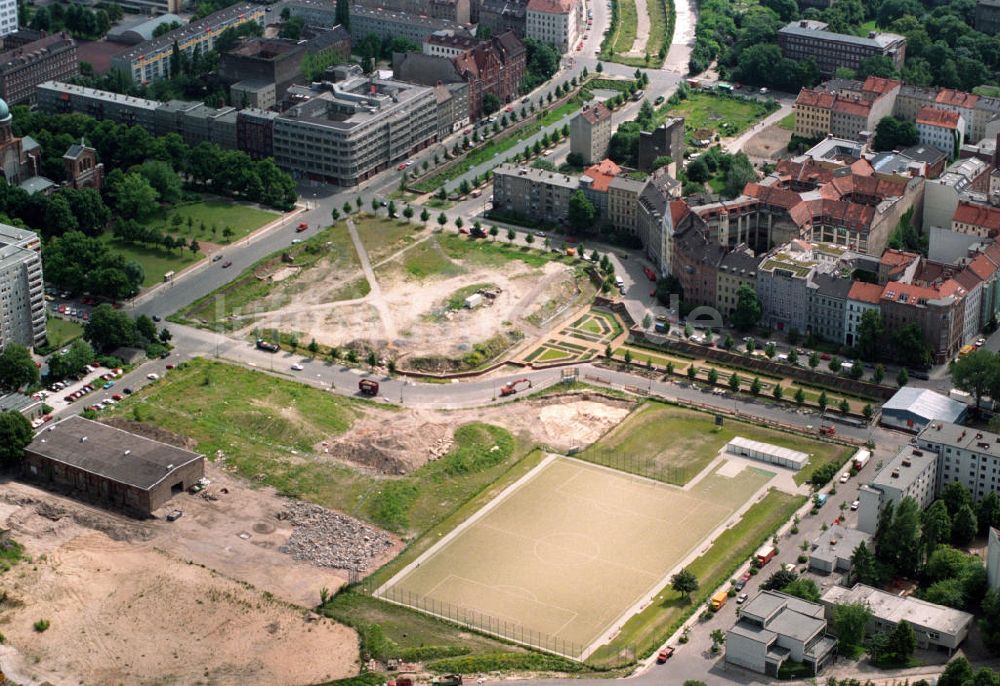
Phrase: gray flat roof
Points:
(925, 403)
(958, 436)
(881, 40)
(753, 631)
(539, 175)
(795, 456)
(16, 402)
(918, 461)
(838, 542)
(109, 452)
(894, 609)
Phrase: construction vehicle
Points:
(368, 387)
(511, 388)
(719, 599)
(827, 430)
(269, 347)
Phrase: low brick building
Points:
(111, 466)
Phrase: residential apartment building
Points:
(346, 132)
(861, 298)
(499, 16)
(828, 295)
(975, 219)
(774, 628)
(150, 61)
(495, 66)
(832, 549)
(665, 140)
(943, 129)
(783, 279)
(660, 211)
(457, 11)
(737, 268)
(964, 455)
(533, 193)
(24, 67)
(912, 473)
(804, 39)
(623, 203)
(695, 261)
(152, 7)
(966, 179)
(556, 22)
(987, 17)
(8, 17)
(452, 108)
(448, 44)
(844, 108)
(594, 183)
(936, 627)
(387, 23)
(590, 132)
(22, 303)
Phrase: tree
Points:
(977, 373)
(909, 346)
(990, 622)
(755, 386)
(870, 334)
(903, 377)
(424, 215)
(145, 328)
(684, 582)
(734, 383)
(935, 527)
(803, 588)
(958, 672)
(375, 205)
(988, 512)
(898, 544)
(894, 134)
(849, 623)
(748, 308)
(779, 580)
(313, 347)
(879, 374)
(955, 496)
(718, 637)
(15, 435)
(491, 103)
(813, 359)
(894, 647)
(132, 196)
(864, 565)
(822, 401)
(800, 397)
(408, 212)
(459, 222)
(511, 235)
(778, 392)
(713, 376)
(692, 372)
(770, 350)
(582, 212)
(17, 369)
(740, 173)
(964, 526)
(442, 219)
(868, 412)
(494, 231)
(844, 406)
(109, 328)
(162, 177)
(343, 13)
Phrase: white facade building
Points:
(556, 22)
(911, 473)
(8, 17)
(22, 298)
(968, 456)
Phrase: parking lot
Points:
(98, 385)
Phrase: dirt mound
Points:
(411, 442)
(151, 431)
(45, 517)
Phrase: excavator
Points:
(511, 388)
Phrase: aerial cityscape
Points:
(452, 342)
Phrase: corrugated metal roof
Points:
(925, 403)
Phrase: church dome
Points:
(4, 110)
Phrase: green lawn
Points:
(382, 236)
(627, 26)
(208, 214)
(788, 122)
(61, 331)
(728, 116)
(674, 444)
(496, 253)
(647, 630)
(427, 259)
(155, 261)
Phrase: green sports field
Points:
(561, 557)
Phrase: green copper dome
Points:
(4, 110)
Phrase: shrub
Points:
(41, 625)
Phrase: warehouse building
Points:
(936, 626)
(912, 409)
(111, 466)
(765, 452)
(832, 550)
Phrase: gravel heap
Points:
(331, 539)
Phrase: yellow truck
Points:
(719, 599)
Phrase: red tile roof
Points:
(950, 96)
(815, 98)
(932, 116)
(865, 292)
(983, 267)
(968, 279)
(893, 257)
(602, 174)
(598, 112)
(913, 294)
(978, 215)
(858, 108)
(678, 210)
(876, 84)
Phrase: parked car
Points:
(297, 367)
(174, 515)
(844, 477)
(742, 598)
(664, 655)
(152, 376)
(170, 366)
(855, 505)
(227, 264)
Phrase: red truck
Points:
(301, 227)
(650, 274)
(765, 554)
(368, 387)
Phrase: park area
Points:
(212, 224)
(420, 315)
(582, 340)
(568, 550)
(674, 444)
(725, 115)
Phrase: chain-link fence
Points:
(648, 467)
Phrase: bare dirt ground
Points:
(418, 307)
(418, 436)
(770, 144)
(125, 607)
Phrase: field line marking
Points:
(476, 516)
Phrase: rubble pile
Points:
(331, 539)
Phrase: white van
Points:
(619, 282)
